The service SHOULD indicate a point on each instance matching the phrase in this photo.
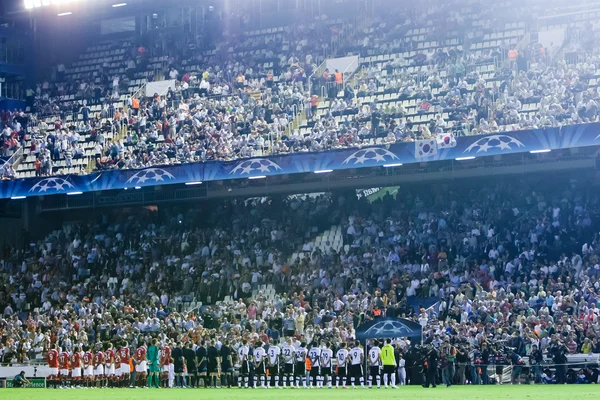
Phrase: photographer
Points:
(559, 351)
(448, 357)
(462, 359)
(474, 366)
(517, 366)
(485, 362)
(20, 381)
(431, 371)
(415, 368)
(536, 359)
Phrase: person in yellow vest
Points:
(388, 359)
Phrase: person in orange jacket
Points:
(307, 368)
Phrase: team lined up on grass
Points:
(212, 364)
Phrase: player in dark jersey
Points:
(191, 364)
(213, 363)
(178, 363)
(226, 364)
(201, 360)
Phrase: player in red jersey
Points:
(52, 359)
(76, 367)
(141, 365)
(124, 356)
(110, 364)
(165, 361)
(99, 367)
(64, 361)
(118, 376)
(88, 366)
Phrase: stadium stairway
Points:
(267, 290)
(329, 240)
(256, 95)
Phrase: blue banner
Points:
(384, 328)
(443, 147)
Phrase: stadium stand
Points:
(415, 80)
(511, 267)
(495, 280)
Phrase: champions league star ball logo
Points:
(372, 154)
(255, 164)
(388, 328)
(501, 142)
(51, 185)
(150, 175)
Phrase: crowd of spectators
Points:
(198, 128)
(249, 96)
(514, 265)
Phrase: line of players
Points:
(105, 366)
(291, 365)
(301, 367)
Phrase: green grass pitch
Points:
(526, 392)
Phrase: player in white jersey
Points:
(259, 364)
(244, 364)
(325, 362)
(342, 366)
(288, 357)
(356, 359)
(314, 355)
(171, 374)
(300, 369)
(401, 370)
(273, 355)
(375, 364)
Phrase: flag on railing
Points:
(425, 148)
(446, 141)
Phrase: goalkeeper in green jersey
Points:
(388, 360)
(153, 367)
